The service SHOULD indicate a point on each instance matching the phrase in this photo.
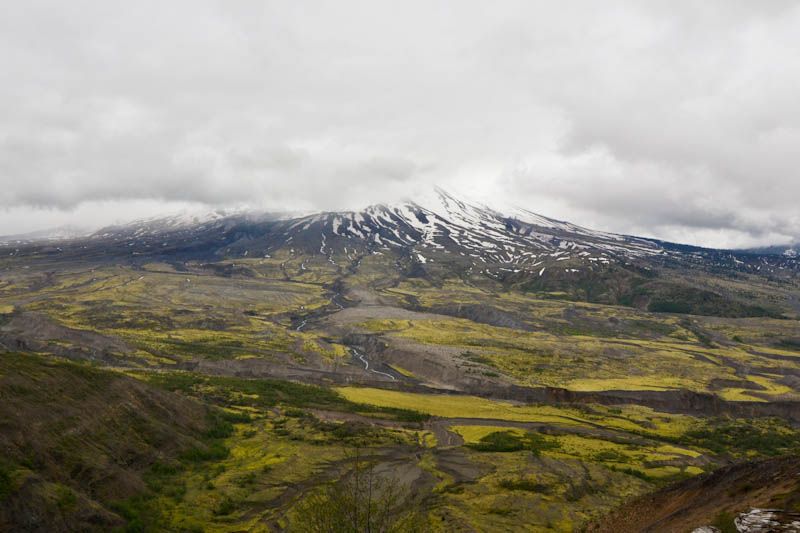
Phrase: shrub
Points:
(506, 441)
(5, 482)
(744, 437)
(247, 479)
(226, 506)
(218, 429)
(524, 484)
(499, 441)
(724, 522)
(140, 513)
(215, 451)
(610, 456)
(667, 306)
(360, 501)
(235, 417)
(635, 473)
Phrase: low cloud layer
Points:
(678, 120)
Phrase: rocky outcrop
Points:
(768, 521)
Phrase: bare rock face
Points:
(768, 521)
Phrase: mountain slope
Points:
(715, 498)
(444, 222)
(516, 240)
(440, 237)
(74, 440)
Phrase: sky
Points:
(671, 119)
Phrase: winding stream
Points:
(363, 359)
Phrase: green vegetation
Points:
(361, 500)
(505, 441)
(6, 485)
(724, 522)
(525, 484)
(257, 435)
(266, 393)
(746, 437)
(65, 498)
(679, 355)
(689, 300)
(633, 419)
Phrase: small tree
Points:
(360, 502)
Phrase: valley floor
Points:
(197, 397)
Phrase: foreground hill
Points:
(75, 440)
(515, 372)
(717, 499)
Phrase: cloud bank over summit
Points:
(675, 120)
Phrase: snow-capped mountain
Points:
(444, 223)
(192, 220)
(438, 228)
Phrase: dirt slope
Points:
(706, 499)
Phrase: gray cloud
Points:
(672, 119)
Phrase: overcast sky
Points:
(679, 120)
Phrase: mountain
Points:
(441, 222)
(442, 235)
(789, 250)
(51, 234)
(513, 241)
(447, 224)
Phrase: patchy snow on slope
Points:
(443, 222)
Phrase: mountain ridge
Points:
(515, 239)
(452, 214)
